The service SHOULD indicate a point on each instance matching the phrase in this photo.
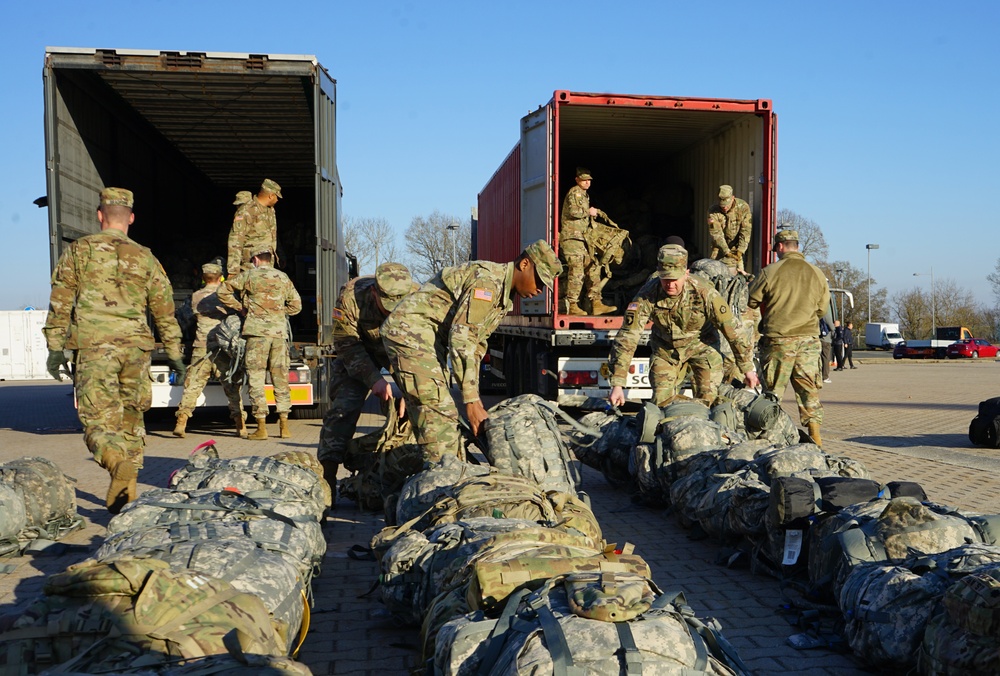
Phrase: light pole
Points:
(933, 302)
(840, 284)
(454, 237)
(870, 247)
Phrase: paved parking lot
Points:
(902, 420)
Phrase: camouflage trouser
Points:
(268, 354)
(581, 271)
(113, 389)
(203, 366)
(347, 398)
(420, 373)
(668, 365)
(798, 360)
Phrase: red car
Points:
(972, 347)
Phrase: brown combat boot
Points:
(573, 309)
(181, 426)
(123, 472)
(599, 308)
(283, 430)
(241, 425)
(260, 433)
(814, 434)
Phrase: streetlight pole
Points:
(870, 247)
(843, 297)
(454, 237)
(933, 302)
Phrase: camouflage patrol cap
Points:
(583, 174)
(263, 250)
(785, 236)
(393, 281)
(211, 269)
(243, 196)
(116, 197)
(725, 192)
(671, 261)
(546, 262)
(271, 186)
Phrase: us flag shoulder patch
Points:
(482, 294)
(338, 315)
(632, 306)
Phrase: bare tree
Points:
(843, 275)
(913, 312)
(948, 305)
(994, 279)
(437, 241)
(372, 240)
(812, 244)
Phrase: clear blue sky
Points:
(887, 110)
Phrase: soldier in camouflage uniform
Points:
(582, 269)
(687, 312)
(267, 299)
(102, 288)
(452, 316)
(792, 295)
(255, 226)
(363, 305)
(209, 311)
(729, 226)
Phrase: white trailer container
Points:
(22, 345)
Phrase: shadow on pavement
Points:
(916, 440)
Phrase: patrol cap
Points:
(116, 197)
(671, 261)
(211, 269)
(243, 196)
(262, 250)
(583, 174)
(725, 192)
(546, 262)
(393, 281)
(271, 186)
(786, 236)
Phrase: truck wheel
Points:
(314, 412)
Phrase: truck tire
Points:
(314, 412)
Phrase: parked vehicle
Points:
(185, 131)
(657, 164)
(882, 335)
(936, 348)
(973, 348)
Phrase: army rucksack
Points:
(226, 338)
(48, 495)
(984, 430)
(12, 520)
(522, 437)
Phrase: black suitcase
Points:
(984, 430)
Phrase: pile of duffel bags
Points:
(37, 504)
(209, 576)
(913, 583)
(504, 568)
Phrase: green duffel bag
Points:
(48, 495)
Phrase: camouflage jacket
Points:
(462, 305)
(357, 339)
(696, 314)
(792, 295)
(208, 311)
(255, 227)
(730, 232)
(101, 289)
(267, 295)
(575, 214)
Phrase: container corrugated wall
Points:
(499, 230)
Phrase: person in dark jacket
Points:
(849, 344)
(838, 344)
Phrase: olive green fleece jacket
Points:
(792, 295)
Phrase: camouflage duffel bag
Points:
(251, 475)
(424, 489)
(886, 607)
(713, 510)
(589, 623)
(973, 602)
(950, 649)
(238, 665)
(12, 520)
(134, 615)
(682, 437)
(250, 569)
(49, 497)
(809, 459)
(607, 430)
(522, 437)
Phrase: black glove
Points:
(178, 366)
(55, 364)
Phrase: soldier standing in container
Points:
(680, 305)
(730, 224)
(102, 288)
(255, 226)
(363, 305)
(209, 312)
(452, 316)
(267, 298)
(582, 269)
(792, 295)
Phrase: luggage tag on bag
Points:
(793, 546)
